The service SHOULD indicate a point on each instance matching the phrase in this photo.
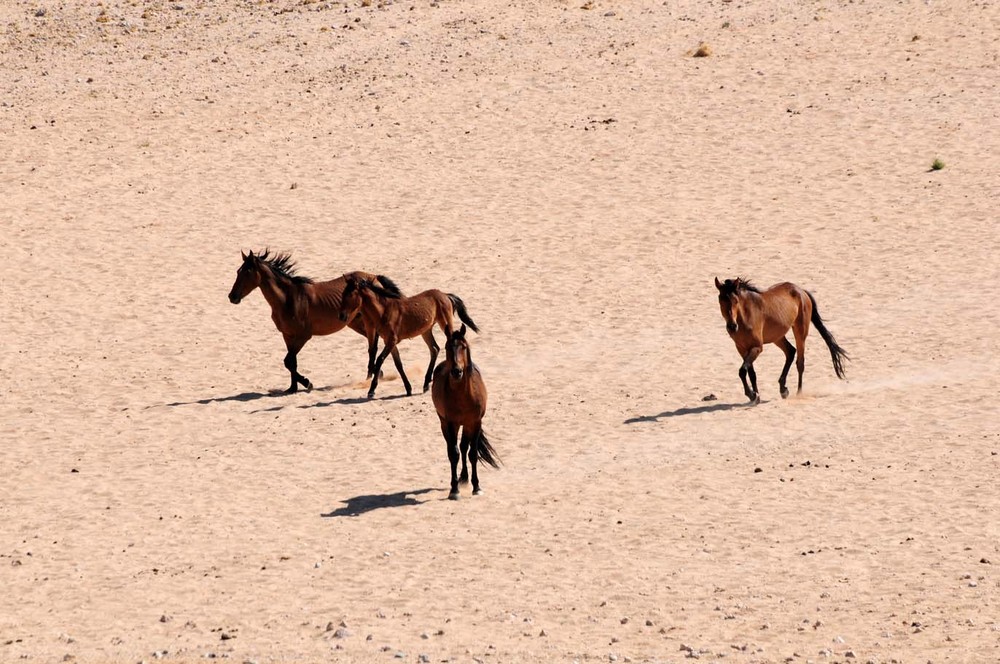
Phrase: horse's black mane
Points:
(388, 289)
(283, 265)
(729, 286)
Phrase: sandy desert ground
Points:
(579, 178)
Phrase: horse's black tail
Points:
(836, 352)
(463, 315)
(486, 452)
(389, 285)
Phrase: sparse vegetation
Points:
(703, 51)
(937, 165)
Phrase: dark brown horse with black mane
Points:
(459, 395)
(395, 318)
(300, 307)
(755, 317)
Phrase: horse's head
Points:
(729, 302)
(350, 299)
(458, 353)
(247, 278)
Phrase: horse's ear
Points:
(243, 255)
(461, 332)
(718, 285)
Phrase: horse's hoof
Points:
(309, 386)
(784, 393)
(755, 400)
(477, 491)
(453, 495)
(371, 395)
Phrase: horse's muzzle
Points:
(342, 316)
(731, 328)
(457, 373)
(235, 299)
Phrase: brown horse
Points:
(754, 318)
(459, 396)
(300, 307)
(393, 317)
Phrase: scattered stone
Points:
(424, 658)
(165, 618)
(985, 561)
(160, 654)
(849, 654)
(758, 469)
(425, 635)
(400, 654)
(624, 621)
(703, 51)
(543, 633)
(341, 633)
(225, 636)
(370, 637)
(649, 623)
(709, 397)
(40, 12)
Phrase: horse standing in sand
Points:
(459, 395)
(754, 318)
(300, 307)
(393, 317)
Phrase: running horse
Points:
(300, 307)
(459, 396)
(755, 317)
(389, 315)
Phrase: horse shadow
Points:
(358, 505)
(242, 396)
(715, 407)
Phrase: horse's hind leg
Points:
(433, 347)
(474, 438)
(789, 351)
(450, 432)
(464, 477)
(294, 345)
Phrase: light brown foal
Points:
(394, 318)
(754, 318)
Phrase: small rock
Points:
(165, 618)
(400, 654)
(649, 623)
(985, 561)
(40, 12)
(370, 637)
(849, 654)
(424, 658)
(709, 397)
(425, 635)
(543, 633)
(838, 639)
(225, 636)
(758, 469)
(341, 633)
(624, 621)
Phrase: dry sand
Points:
(579, 179)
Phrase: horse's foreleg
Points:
(747, 368)
(433, 347)
(399, 368)
(294, 345)
(789, 351)
(450, 432)
(372, 350)
(377, 369)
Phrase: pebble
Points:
(424, 658)
(341, 633)
(165, 618)
(400, 654)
